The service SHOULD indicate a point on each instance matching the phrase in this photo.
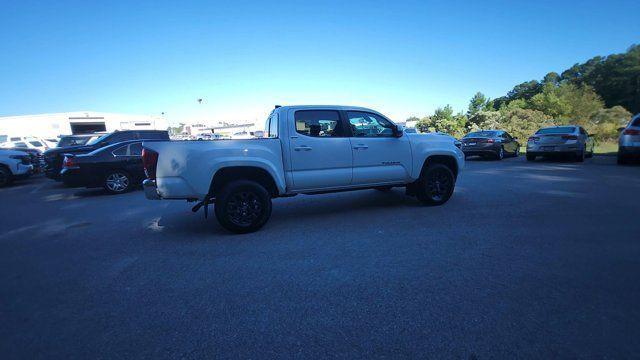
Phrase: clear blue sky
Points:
(242, 57)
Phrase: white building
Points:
(81, 122)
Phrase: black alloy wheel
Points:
(243, 206)
(436, 185)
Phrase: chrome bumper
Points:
(150, 189)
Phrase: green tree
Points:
(522, 123)
(477, 103)
(604, 123)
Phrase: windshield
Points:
(557, 130)
(481, 134)
(95, 140)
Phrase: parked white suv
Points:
(14, 165)
(306, 150)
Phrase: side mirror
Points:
(398, 130)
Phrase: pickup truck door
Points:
(378, 156)
(320, 151)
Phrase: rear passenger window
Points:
(318, 123)
(135, 149)
(121, 151)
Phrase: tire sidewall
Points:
(225, 195)
(500, 153)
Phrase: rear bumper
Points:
(629, 150)
(150, 189)
(553, 149)
(479, 152)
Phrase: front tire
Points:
(117, 182)
(436, 185)
(5, 177)
(500, 153)
(243, 206)
(517, 152)
(580, 156)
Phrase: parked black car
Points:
(117, 167)
(54, 157)
(494, 143)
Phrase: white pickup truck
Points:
(307, 150)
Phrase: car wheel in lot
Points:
(436, 185)
(580, 156)
(500, 153)
(517, 152)
(243, 206)
(117, 182)
(5, 177)
(531, 157)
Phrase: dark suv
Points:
(54, 157)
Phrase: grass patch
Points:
(609, 148)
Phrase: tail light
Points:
(631, 132)
(569, 137)
(68, 162)
(534, 138)
(150, 163)
(491, 141)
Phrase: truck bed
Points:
(185, 168)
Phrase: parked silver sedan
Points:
(560, 140)
(629, 141)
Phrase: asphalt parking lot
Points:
(526, 260)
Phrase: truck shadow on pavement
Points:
(297, 212)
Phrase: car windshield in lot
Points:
(481, 134)
(96, 140)
(73, 141)
(557, 130)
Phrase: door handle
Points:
(360, 147)
(302, 148)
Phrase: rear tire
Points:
(117, 182)
(531, 157)
(580, 156)
(436, 185)
(243, 206)
(5, 177)
(517, 152)
(500, 153)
